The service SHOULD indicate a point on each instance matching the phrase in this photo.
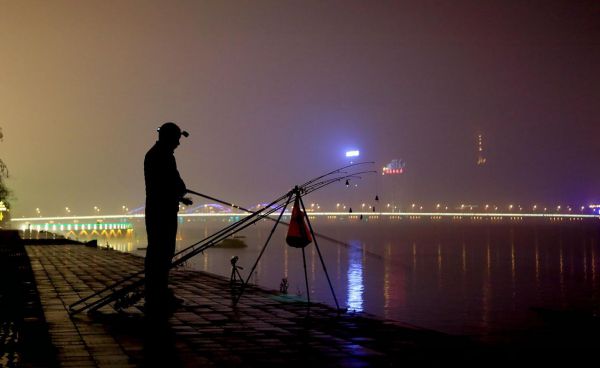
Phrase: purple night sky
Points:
(274, 92)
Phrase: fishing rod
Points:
(334, 172)
(210, 240)
(336, 241)
(272, 208)
(135, 281)
(304, 189)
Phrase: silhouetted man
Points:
(164, 190)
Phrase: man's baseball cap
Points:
(170, 128)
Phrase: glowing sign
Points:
(394, 167)
(354, 153)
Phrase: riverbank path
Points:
(265, 329)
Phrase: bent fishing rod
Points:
(336, 241)
(135, 281)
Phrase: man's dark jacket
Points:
(164, 186)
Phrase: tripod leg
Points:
(239, 276)
(237, 299)
(306, 278)
(320, 256)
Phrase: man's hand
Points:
(187, 201)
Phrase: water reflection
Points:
(537, 260)
(387, 279)
(458, 279)
(355, 278)
(486, 288)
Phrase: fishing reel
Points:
(128, 300)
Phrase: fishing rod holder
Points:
(235, 273)
(308, 236)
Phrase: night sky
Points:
(274, 92)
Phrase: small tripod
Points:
(235, 273)
(298, 196)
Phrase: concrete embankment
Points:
(264, 329)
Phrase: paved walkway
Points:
(24, 340)
(265, 329)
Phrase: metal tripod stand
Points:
(297, 194)
(235, 271)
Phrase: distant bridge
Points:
(101, 220)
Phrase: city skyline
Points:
(273, 93)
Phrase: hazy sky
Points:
(274, 92)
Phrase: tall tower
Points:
(479, 150)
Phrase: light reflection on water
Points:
(355, 279)
(458, 279)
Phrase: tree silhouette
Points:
(4, 192)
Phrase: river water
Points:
(454, 277)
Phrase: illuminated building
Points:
(480, 156)
(394, 167)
